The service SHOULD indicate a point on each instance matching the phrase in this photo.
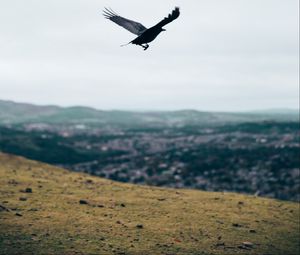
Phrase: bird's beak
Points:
(164, 30)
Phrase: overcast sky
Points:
(227, 55)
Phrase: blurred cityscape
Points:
(260, 156)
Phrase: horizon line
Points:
(275, 109)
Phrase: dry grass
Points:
(128, 219)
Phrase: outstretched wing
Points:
(132, 26)
(174, 15)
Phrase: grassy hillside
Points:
(47, 210)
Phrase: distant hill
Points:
(12, 112)
(47, 210)
(16, 113)
(278, 111)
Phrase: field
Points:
(47, 210)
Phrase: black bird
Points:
(145, 35)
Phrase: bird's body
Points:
(145, 35)
(148, 36)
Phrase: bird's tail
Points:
(125, 44)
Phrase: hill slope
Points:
(47, 210)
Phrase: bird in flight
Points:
(145, 35)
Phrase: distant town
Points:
(258, 157)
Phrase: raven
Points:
(145, 35)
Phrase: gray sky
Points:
(223, 55)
